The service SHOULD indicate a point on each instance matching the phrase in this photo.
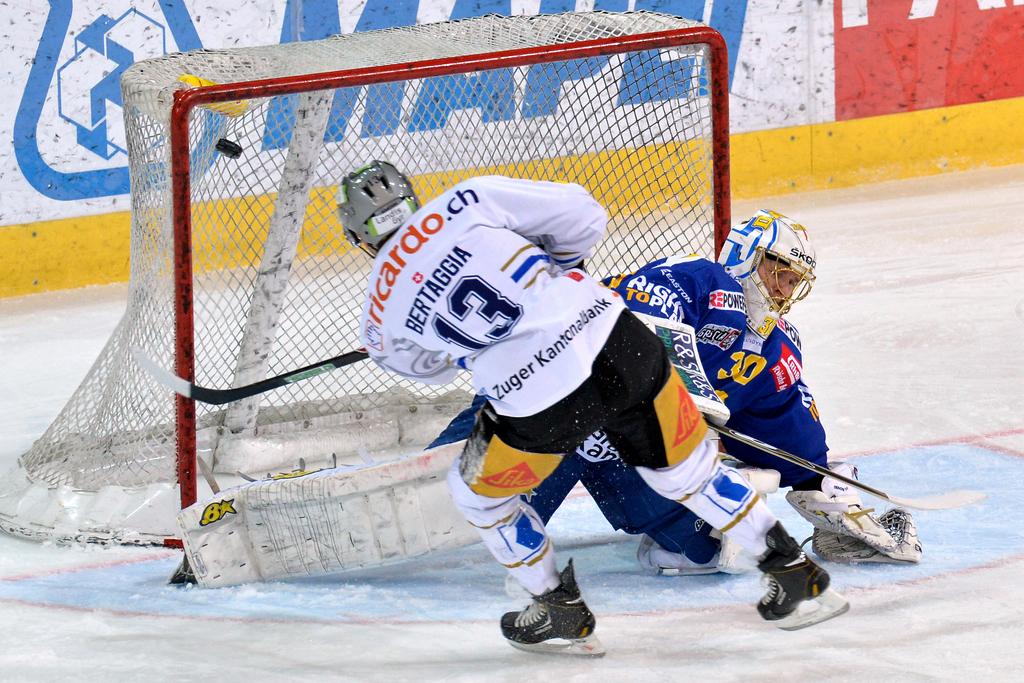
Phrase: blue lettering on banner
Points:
(544, 83)
(96, 44)
(310, 20)
(491, 93)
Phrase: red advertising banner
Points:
(905, 55)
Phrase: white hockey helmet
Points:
(784, 248)
(373, 202)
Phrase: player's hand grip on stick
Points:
(221, 396)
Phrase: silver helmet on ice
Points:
(772, 258)
(373, 202)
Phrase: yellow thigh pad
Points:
(507, 471)
(682, 426)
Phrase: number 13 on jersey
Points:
(470, 300)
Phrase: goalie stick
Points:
(680, 343)
(221, 396)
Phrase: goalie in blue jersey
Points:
(753, 359)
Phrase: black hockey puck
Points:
(229, 148)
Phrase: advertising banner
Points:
(68, 153)
(906, 55)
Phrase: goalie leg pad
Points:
(655, 559)
(718, 494)
(325, 522)
(729, 558)
(512, 531)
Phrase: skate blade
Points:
(828, 605)
(579, 647)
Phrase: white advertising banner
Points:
(64, 155)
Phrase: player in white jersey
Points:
(487, 278)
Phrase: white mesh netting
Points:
(275, 285)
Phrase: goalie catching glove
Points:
(845, 531)
(900, 525)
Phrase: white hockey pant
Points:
(717, 494)
(512, 531)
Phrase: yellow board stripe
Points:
(870, 150)
(62, 254)
(75, 252)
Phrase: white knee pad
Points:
(731, 558)
(682, 479)
(718, 494)
(513, 532)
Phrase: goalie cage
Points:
(239, 268)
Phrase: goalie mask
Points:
(773, 260)
(373, 202)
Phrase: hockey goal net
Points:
(239, 268)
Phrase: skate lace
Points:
(772, 587)
(534, 613)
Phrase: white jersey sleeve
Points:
(561, 218)
(410, 360)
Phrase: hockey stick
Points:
(221, 396)
(942, 501)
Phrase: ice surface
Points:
(913, 340)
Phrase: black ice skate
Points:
(797, 589)
(557, 622)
